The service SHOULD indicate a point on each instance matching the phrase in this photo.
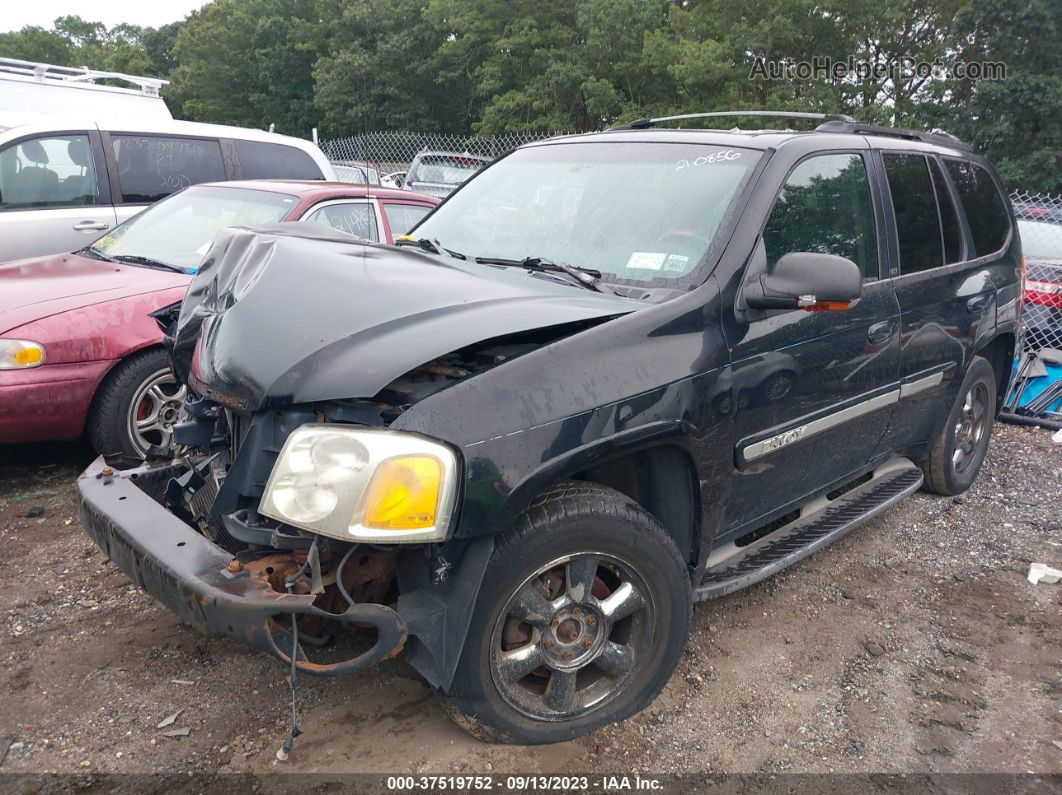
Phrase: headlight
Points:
(358, 484)
(20, 354)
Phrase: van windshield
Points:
(637, 212)
(178, 231)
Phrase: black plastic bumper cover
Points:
(189, 574)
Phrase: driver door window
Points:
(825, 207)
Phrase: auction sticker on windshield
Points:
(647, 260)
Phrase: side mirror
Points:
(806, 280)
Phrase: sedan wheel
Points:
(153, 411)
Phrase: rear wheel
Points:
(956, 455)
(583, 613)
(136, 407)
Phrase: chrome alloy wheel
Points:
(571, 636)
(970, 428)
(154, 410)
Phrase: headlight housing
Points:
(20, 354)
(360, 484)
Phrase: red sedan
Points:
(79, 349)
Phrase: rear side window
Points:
(53, 171)
(151, 167)
(356, 219)
(403, 217)
(949, 218)
(986, 212)
(260, 160)
(915, 206)
(825, 207)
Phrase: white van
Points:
(65, 179)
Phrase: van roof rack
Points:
(47, 73)
(831, 122)
(643, 124)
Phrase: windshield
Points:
(637, 212)
(445, 170)
(179, 230)
(1040, 240)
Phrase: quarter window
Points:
(825, 207)
(354, 219)
(151, 167)
(985, 209)
(915, 206)
(48, 172)
(259, 160)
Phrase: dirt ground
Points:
(915, 644)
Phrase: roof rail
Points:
(67, 75)
(936, 136)
(642, 124)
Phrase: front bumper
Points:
(190, 574)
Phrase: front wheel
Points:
(136, 407)
(583, 613)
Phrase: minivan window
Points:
(153, 166)
(259, 160)
(949, 218)
(55, 171)
(986, 211)
(825, 206)
(915, 206)
(607, 206)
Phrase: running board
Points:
(824, 523)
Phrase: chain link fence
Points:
(390, 152)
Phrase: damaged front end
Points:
(246, 528)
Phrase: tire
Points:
(956, 454)
(616, 664)
(142, 383)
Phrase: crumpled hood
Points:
(33, 289)
(290, 313)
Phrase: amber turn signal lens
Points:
(404, 494)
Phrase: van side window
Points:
(949, 217)
(259, 160)
(915, 206)
(151, 167)
(986, 212)
(825, 206)
(56, 171)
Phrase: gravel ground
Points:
(915, 644)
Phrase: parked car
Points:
(360, 172)
(1038, 211)
(441, 173)
(1042, 316)
(393, 180)
(79, 349)
(66, 179)
(613, 375)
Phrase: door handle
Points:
(976, 304)
(881, 332)
(90, 226)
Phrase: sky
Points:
(147, 13)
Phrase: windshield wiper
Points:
(95, 253)
(136, 259)
(585, 277)
(431, 246)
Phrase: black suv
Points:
(612, 375)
